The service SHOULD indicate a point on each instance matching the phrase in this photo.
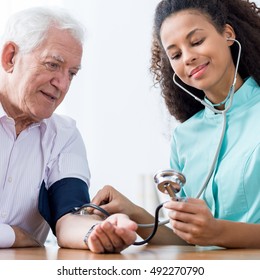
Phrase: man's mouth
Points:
(49, 96)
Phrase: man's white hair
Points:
(28, 28)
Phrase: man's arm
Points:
(114, 234)
(15, 237)
(23, 239)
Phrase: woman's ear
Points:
(229, 33)
(8, 56)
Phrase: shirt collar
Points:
(42, 123)
(2, 111)
(245, 93)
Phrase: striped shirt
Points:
(46, 151)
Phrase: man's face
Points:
(40, 79)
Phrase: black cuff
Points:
(61, 198)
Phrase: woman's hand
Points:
(113, 202)
(193, 222)
(113, 235)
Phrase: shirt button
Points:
(10, 179)
(3, 214)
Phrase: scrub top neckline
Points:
(244, 94)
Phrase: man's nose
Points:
(61, 81)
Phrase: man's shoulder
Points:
(60, 122)
(60, 125)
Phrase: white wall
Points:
(112, 99)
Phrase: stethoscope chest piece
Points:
(169, 181)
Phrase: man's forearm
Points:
(23, 239)
(71, 230)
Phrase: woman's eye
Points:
(175, 56)
(198, 42)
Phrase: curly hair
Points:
(242, 15)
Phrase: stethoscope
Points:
(227, 101)
(170, 181)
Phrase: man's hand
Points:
(113, 235)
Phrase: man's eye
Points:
(72, 74)
(52, 65)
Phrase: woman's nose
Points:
(189, 57)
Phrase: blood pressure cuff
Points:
(61, 198)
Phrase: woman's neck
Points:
(220, 93)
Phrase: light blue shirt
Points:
(233, 193)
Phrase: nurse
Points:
(194, 42)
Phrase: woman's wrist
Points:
(140, 215)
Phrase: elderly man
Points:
(44, 171)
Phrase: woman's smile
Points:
(199, 71)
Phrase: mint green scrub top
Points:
(233, 193)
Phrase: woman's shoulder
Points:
(190, 123)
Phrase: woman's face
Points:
(199, 55)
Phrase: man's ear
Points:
(8, 56)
